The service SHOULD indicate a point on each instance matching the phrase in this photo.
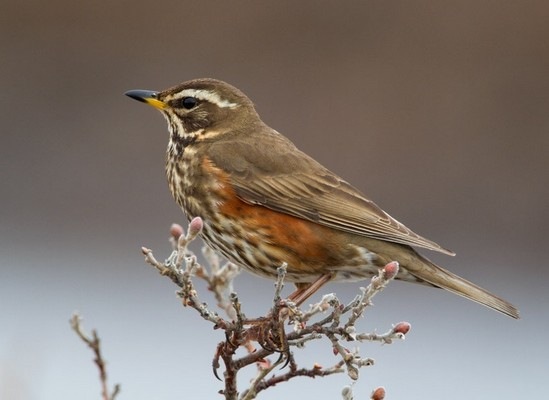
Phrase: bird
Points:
(264, 202)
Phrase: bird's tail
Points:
(429, 272)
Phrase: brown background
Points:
(438, 110)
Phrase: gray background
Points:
(438, 110)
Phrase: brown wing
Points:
(273, 173)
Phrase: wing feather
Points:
(293, 183)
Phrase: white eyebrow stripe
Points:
(206, 95)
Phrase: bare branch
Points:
(328, 318)
(94, 343)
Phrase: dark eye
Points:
(189, 102)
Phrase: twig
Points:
(94, 343)
(313, 372)
(337, 324)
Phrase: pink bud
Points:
(378, 393)
(390, 270)
(196, 225)
(402, 327)
(176, 230)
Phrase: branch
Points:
(328, 318)
(94, 343)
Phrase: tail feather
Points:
(431, 273)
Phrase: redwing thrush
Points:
(264, 202)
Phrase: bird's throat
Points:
(179, 143)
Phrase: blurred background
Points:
(437, 110)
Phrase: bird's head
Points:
(201, 109)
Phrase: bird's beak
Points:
(146, 96)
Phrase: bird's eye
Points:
(189, 102)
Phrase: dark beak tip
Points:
(141, 95)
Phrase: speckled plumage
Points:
(265, 202)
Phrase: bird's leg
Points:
(306, 290)
(269, 331)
